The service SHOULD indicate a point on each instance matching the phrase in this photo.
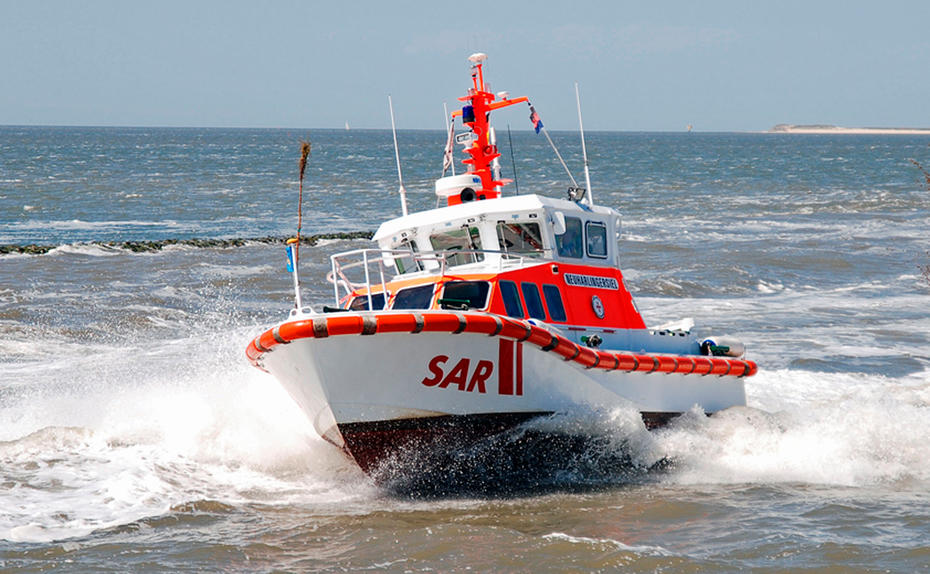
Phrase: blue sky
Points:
(720, 66)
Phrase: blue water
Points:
(135, 436)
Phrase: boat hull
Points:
(377, 393)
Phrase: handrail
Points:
(364, 257)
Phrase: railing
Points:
(361, 261)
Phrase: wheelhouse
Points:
(502, 232)
(526, 257)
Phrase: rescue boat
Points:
(484, 313)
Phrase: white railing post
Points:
(367, 278)
(332, 259)
(384, 293)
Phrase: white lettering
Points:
(576, 280)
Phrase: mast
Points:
(479, 103)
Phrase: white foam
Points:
(607, 544)
(816, 428)
(130, 433)
(90, 249)
(81, 225)
(768, 287)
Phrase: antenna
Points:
(513, 162)
(400, 176)
(449, 155)
(584, 151)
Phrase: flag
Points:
(290, 257)
(534, 117)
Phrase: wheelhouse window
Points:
(360, 302)
(512, 304)
(462, 239)
(569, 244)
(519, 238)
(554, 303)
(405, 258)
(596, 236)
(418, 297)
(534, 304)
(465, 295)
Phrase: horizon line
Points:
(793, 129)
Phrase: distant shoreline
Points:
(825, 129)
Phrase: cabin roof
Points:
(487, 208)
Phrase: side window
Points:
(465, 295)
(554, 303)
(534, 304)
(569, 243)
(360, 303)
(519, 238)
(511, 298)
(418, 297)
(596, 234)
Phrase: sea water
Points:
(135, 436)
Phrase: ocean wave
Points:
(79, 224)
(810, 428)
(129, 435)
(166, 433)
(91, 249)
(606, 544)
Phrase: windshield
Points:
(519, 237)
(461, 239)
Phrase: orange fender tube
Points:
(399, 323)
(344, 325)
(452, 322)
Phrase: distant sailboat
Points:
(347, 126)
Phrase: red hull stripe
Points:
(505, 360)
(512, 333)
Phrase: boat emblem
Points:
(598, 306)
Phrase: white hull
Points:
(348, 381)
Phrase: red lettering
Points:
(436, 369)
(457, 376)
(482, 373)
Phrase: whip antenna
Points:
(448, 157)
(516, 185)
(400, 176)
(584, 151)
